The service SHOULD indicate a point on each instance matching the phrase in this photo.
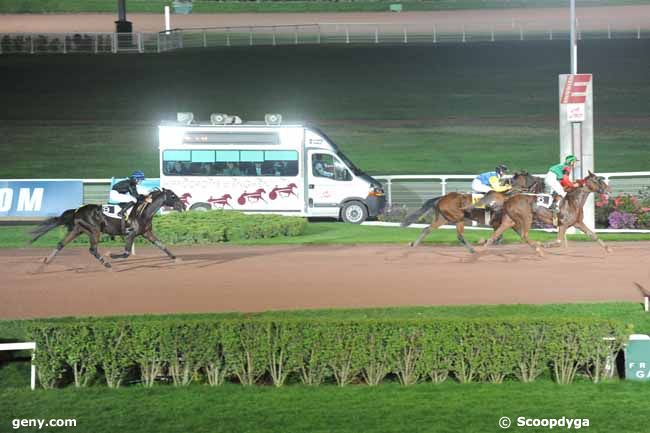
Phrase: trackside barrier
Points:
(317, 33)
(409, 191)
(23, 346)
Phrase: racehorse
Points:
(456, 207)
(90, 220)
(520, 210)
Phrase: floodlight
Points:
(186, 117)
(218, 118)
(273, 119)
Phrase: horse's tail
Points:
(426, 207)
(65, 219)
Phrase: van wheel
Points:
(202, 207)
(354, 212)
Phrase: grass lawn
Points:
(211, 6)
(393, 109)
(321, 233)
(448, 407)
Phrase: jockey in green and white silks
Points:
(558, 178)
(490, 181)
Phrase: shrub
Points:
(252, 351)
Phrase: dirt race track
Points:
(233, 278)
(590, 18)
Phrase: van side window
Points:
(230, 163)
(326, 165)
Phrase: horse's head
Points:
(170, 199)
(527, 182)
(595, 183)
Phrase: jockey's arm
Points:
(566, 181)
(496, 185)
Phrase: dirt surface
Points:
(231, 278)
(590, 18)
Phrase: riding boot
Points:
(555, 208)
(125, 207)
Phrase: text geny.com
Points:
(40, 423)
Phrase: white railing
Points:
(320, 33)
(412, 190)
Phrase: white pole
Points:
(574, 46)
(167, 20)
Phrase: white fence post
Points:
(435, 36)
(64, 42)
(376, 34)
(347, 34)
(205, 40)
(227, 36)
(250, 36)
(295, 35)
(389, 192)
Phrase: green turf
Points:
(207, 6)
(324, 233)
(388, 408)
(393, 109)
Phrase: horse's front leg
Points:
(592, 235)
(128, 246)
(154, 240)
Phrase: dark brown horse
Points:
(90, 220)
(455, 208)
(520, 210)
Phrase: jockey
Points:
(558, 177)
(125, 192)
(490, 181)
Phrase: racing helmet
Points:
(501, 169)
(569, 159)
(138, 175)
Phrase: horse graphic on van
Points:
(223, 201)
(284, 191)
(251, 197)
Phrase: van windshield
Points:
(356, 170)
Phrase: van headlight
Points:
(376, 191)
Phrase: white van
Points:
(264, 167)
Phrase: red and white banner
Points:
(574, 96)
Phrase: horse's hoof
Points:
(609, 250)
(46, 261)
(172, 257)
(108, 265)
(539, 252)
(411, 244)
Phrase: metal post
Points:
(140, 43)
(435, 36)
(376, 35)
(573, 46)
(319, 33)
(347, 34)
(389, 192)
(521, 33)
(158, 43)
(295, 35)
(550, 35)
(205, 39)
(464, 38)
(114, 43)
(64, 42)
(96, 43)
(275, 29)
(32, 379)
(443, 185)
(493, 33)
(609, 31)
(638, 32)
(406, 38)
(31, 44)
(227, 37)
(250, 36)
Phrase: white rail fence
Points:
(303, 34)
(411, 190)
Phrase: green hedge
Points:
(279, 351)
(196, 227)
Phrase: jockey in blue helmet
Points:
(125, 192)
